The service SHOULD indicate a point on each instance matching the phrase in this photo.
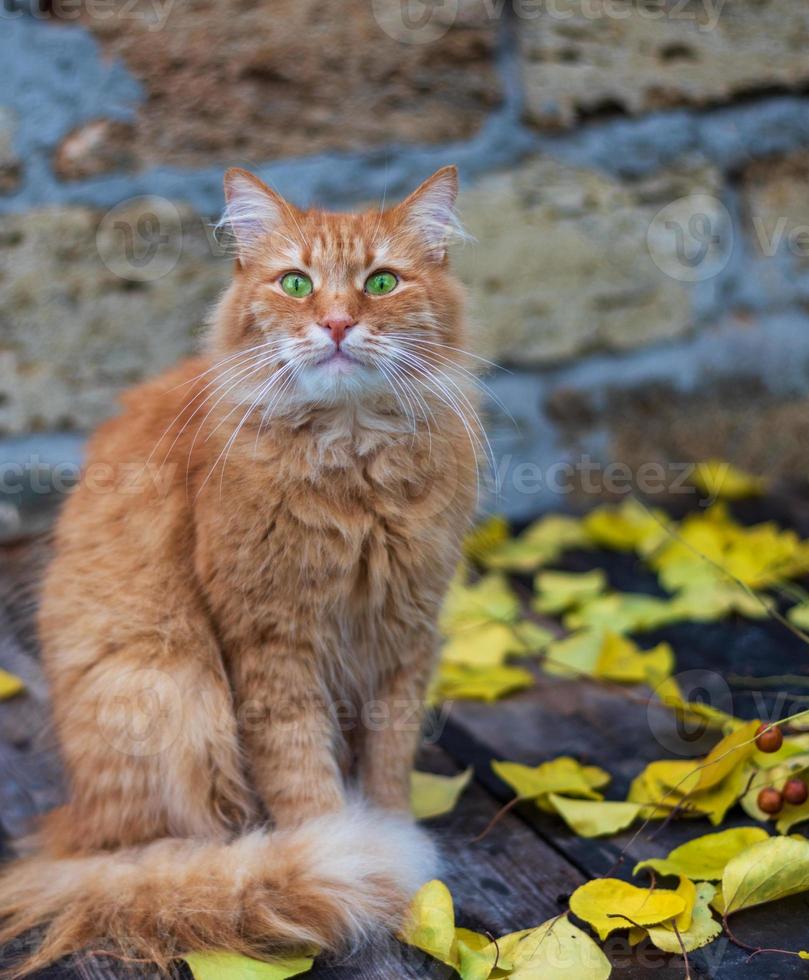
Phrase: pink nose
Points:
(338, 325)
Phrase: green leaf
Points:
(705, 858)
(433, 796)
(769, 870)
(702, 929)
(609, 904)
(594, 818)
(231, 966)
(558, 950)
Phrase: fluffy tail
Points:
(330, 883)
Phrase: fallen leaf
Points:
(558, 950)
(790, 816)
(490, 599)
(541, 543)
(720, 480)
(574, 655)
(474, 962)
(594, 818)
(726, 755)
(457, 682)
(702, 929)
(486, 537)
(798, 615)
(772, 869)
(627, 527)
(621, 612)
(232, 966)
(433, 796)
(705, 858)
(608, 904)
(563, 775)
(10, 685)
(430, 925)
(558, 591)
(669, 693)
(621, 659)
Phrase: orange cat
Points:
(240, 621)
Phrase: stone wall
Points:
(634, 173)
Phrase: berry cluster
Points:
(794, 791)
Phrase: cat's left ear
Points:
(430, 211)
(252, 210)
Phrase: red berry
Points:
(769, 738)
(795, 791)
(770, 800)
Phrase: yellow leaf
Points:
(539, 544)
(558, 591)
(622, 660)
(621, 612)
(772, 869)
(430, 925)
(532, 637)
(574, 655)
(432, 796)
(486, 537)
(628, 527)
(720, 480)
(558, 950)
(9, 685)
(489, 644)
(475, 962)
(231, 966)
(668, 690)
(790, 816)
(485, 645)
(487, 600)
(726, 755)
(609, 904)
(701, 930)
(594, 818)
(704, 858)
(799, 615)
(716, 601)
(563, 775)
(457, 682)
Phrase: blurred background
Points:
(634, 173)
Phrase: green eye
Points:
(296, 284)
(379, 283)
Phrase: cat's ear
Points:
(430, 211)
(252, 210)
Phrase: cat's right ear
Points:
(252, 211)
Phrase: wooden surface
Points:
(523, 871)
